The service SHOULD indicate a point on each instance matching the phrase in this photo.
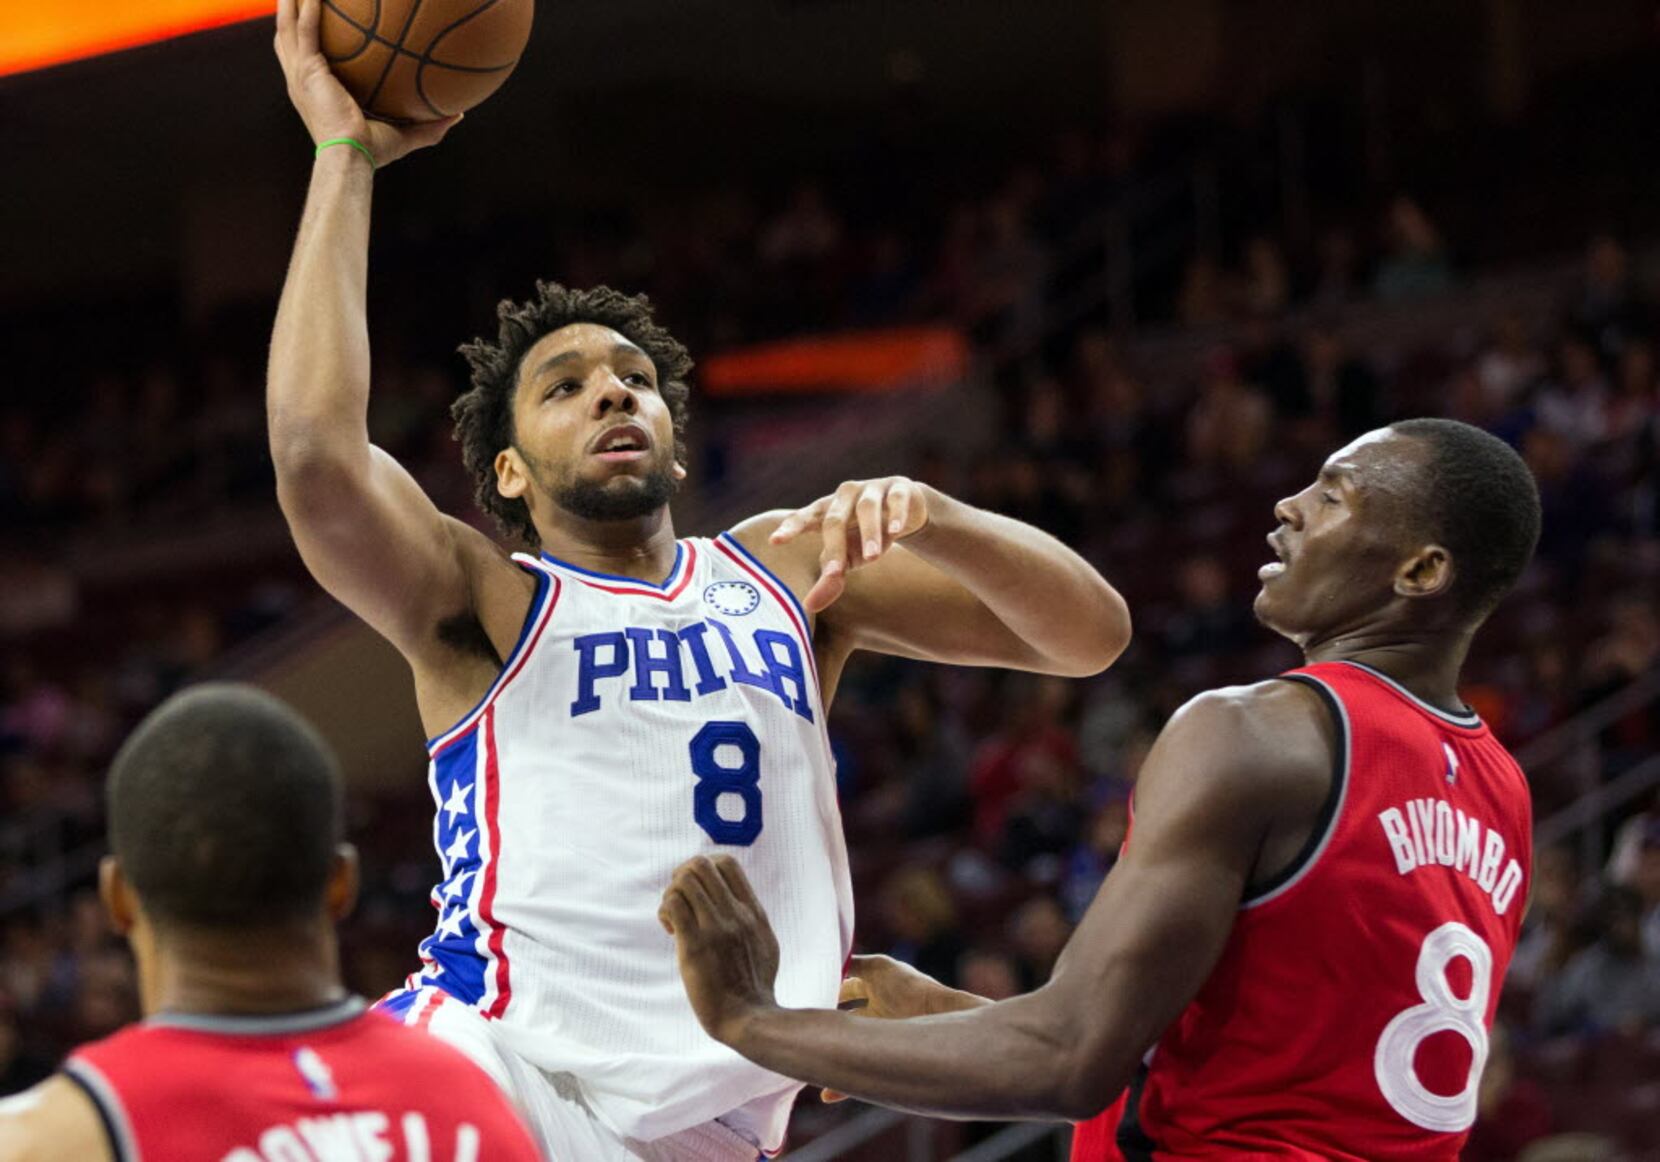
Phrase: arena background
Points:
(1124, 270)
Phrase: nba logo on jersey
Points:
(1452, 763)
(314, 1071)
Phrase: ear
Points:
(1429, 573)
(512, 478)
(678, 472)
(340, 896)
(120, 901)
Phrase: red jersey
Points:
(338, 1083)
(1348, 1015)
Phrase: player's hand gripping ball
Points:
(423, 60)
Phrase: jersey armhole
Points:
(1325, 823)
(542, 601)
(111, 1114)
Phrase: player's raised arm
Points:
(900, 567)
(1215, 793)
(366, 530)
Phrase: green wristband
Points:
(351, 141)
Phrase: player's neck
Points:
(1426, 663)
(287, 970)
(642, 548)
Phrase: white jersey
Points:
(632, 727)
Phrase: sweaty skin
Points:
(1229, 794)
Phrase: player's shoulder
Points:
(1258, 739)
(54, 1120)
(1256, 718)
(795, 562)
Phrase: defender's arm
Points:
(1210, 791)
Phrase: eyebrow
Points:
(617, 350)
(1336, 472)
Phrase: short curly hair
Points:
(484, 413)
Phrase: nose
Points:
(1287, 512)
(612, 395)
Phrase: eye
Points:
(638, 379)
(1328, 497)
(563, 387)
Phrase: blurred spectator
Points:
(1337, 280)
(1033, 747)
(1230, 422)
(1608, 305)
(1550, 926)
(1574, 404)
(1508, 368)
(1040, 931)
(1610, 985)
(919, 913)
(1266, 287)
(1414, 265)
(1511, 1111)
(1207, 621)
(1089, 862)
(988, 973)
(1344, 393)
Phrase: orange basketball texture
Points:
(418, 60)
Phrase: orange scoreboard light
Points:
(34, 35)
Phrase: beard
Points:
(620, 498)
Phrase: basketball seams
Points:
(400, 87)
(392, 58)
(370, 34)
(426, 54)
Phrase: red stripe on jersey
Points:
(670, 595)
(461, 728)
(429, 1008)
(788, 606)
(486, 903)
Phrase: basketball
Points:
(419, 60)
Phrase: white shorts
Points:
(560, 1118)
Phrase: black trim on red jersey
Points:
(1466, 717)
(1132, 1139)
(263, 1025)
(1326, 822)
(110, 1114)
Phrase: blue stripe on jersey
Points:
(732, 541)
(398, 1004)
(537, 600)
(674, 570)
(457, 965)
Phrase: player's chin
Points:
(1268, 611)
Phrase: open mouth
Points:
(625, 442)
(1275, 568)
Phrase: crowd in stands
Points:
(983, 809)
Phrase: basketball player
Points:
(621, 699)
(1300, 952)
(227, 878)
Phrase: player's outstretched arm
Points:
(52, 1121)
(1213, 788)
(366, 530)
(900, 567)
